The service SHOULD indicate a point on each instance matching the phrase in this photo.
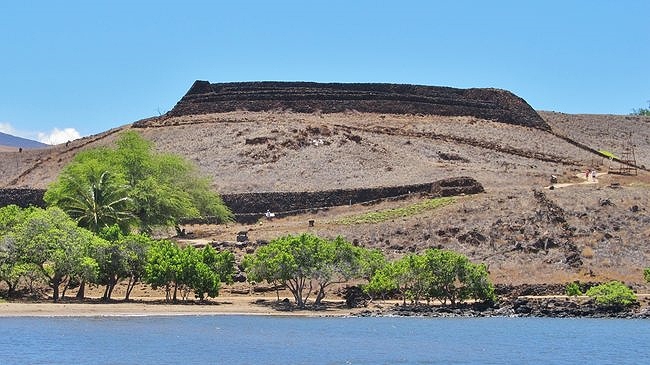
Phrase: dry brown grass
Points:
(588, 252)
(275, 151)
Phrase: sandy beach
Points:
(239, 305)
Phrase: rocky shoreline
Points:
(520, 308)
(540, 300)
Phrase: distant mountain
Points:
(18, 142)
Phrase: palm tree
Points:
(95, 204)
(98, 203)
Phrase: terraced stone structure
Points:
(311, 97)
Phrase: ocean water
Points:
(290, 340)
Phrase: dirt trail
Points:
(588, 180)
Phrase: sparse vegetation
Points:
(612, 294)
(646, 274)
(388, 214)
(573, 289)
(642, 111)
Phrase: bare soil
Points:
(524, 231)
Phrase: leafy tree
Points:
(195, 275)
(10, 274)
(133, 184)
(187, 270)
(435, 274)
(372, 260)
(162, 265)
(222, 263)
(11, 216)
(204, 282)
(382, 282)
(54, 243)
(11, 267)
(164, 187)
(30, 275)
(305, 263)
(120, 257)
(338, 261)
(477, 283)
(270, 264)
(288, 261)
(612, 294)
(135, 249)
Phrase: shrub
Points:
(613, 294)
(646, 274)
(573, 289)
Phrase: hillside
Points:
(255, 141)
(9, 143)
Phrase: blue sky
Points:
(83, 67)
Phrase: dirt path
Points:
(587, 180)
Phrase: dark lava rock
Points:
(310, 97)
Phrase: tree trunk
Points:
(55, 290)
(82, 290)
(167, 290)
(110, 291)
(11, 289)
(65, 288)
(129, 287)
(320, 295)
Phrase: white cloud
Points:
(7, 128)
(57, 136)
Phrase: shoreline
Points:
(248, 306)
(523, 307)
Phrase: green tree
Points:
(133, 184)
(338, 262)
(12, 269)
(195, 275)
(382, 282)
(54, 243)
(162, 267)
(121, 257)
(435, 274)
(135, 249)
(188, 270)
(372, 260)
(612, 294)
(222, 263)
(164, 187)
(399, 276)
(477, 283)
(96, 201)
(287, 260)
(306, 263)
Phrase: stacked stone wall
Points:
(249, 207)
